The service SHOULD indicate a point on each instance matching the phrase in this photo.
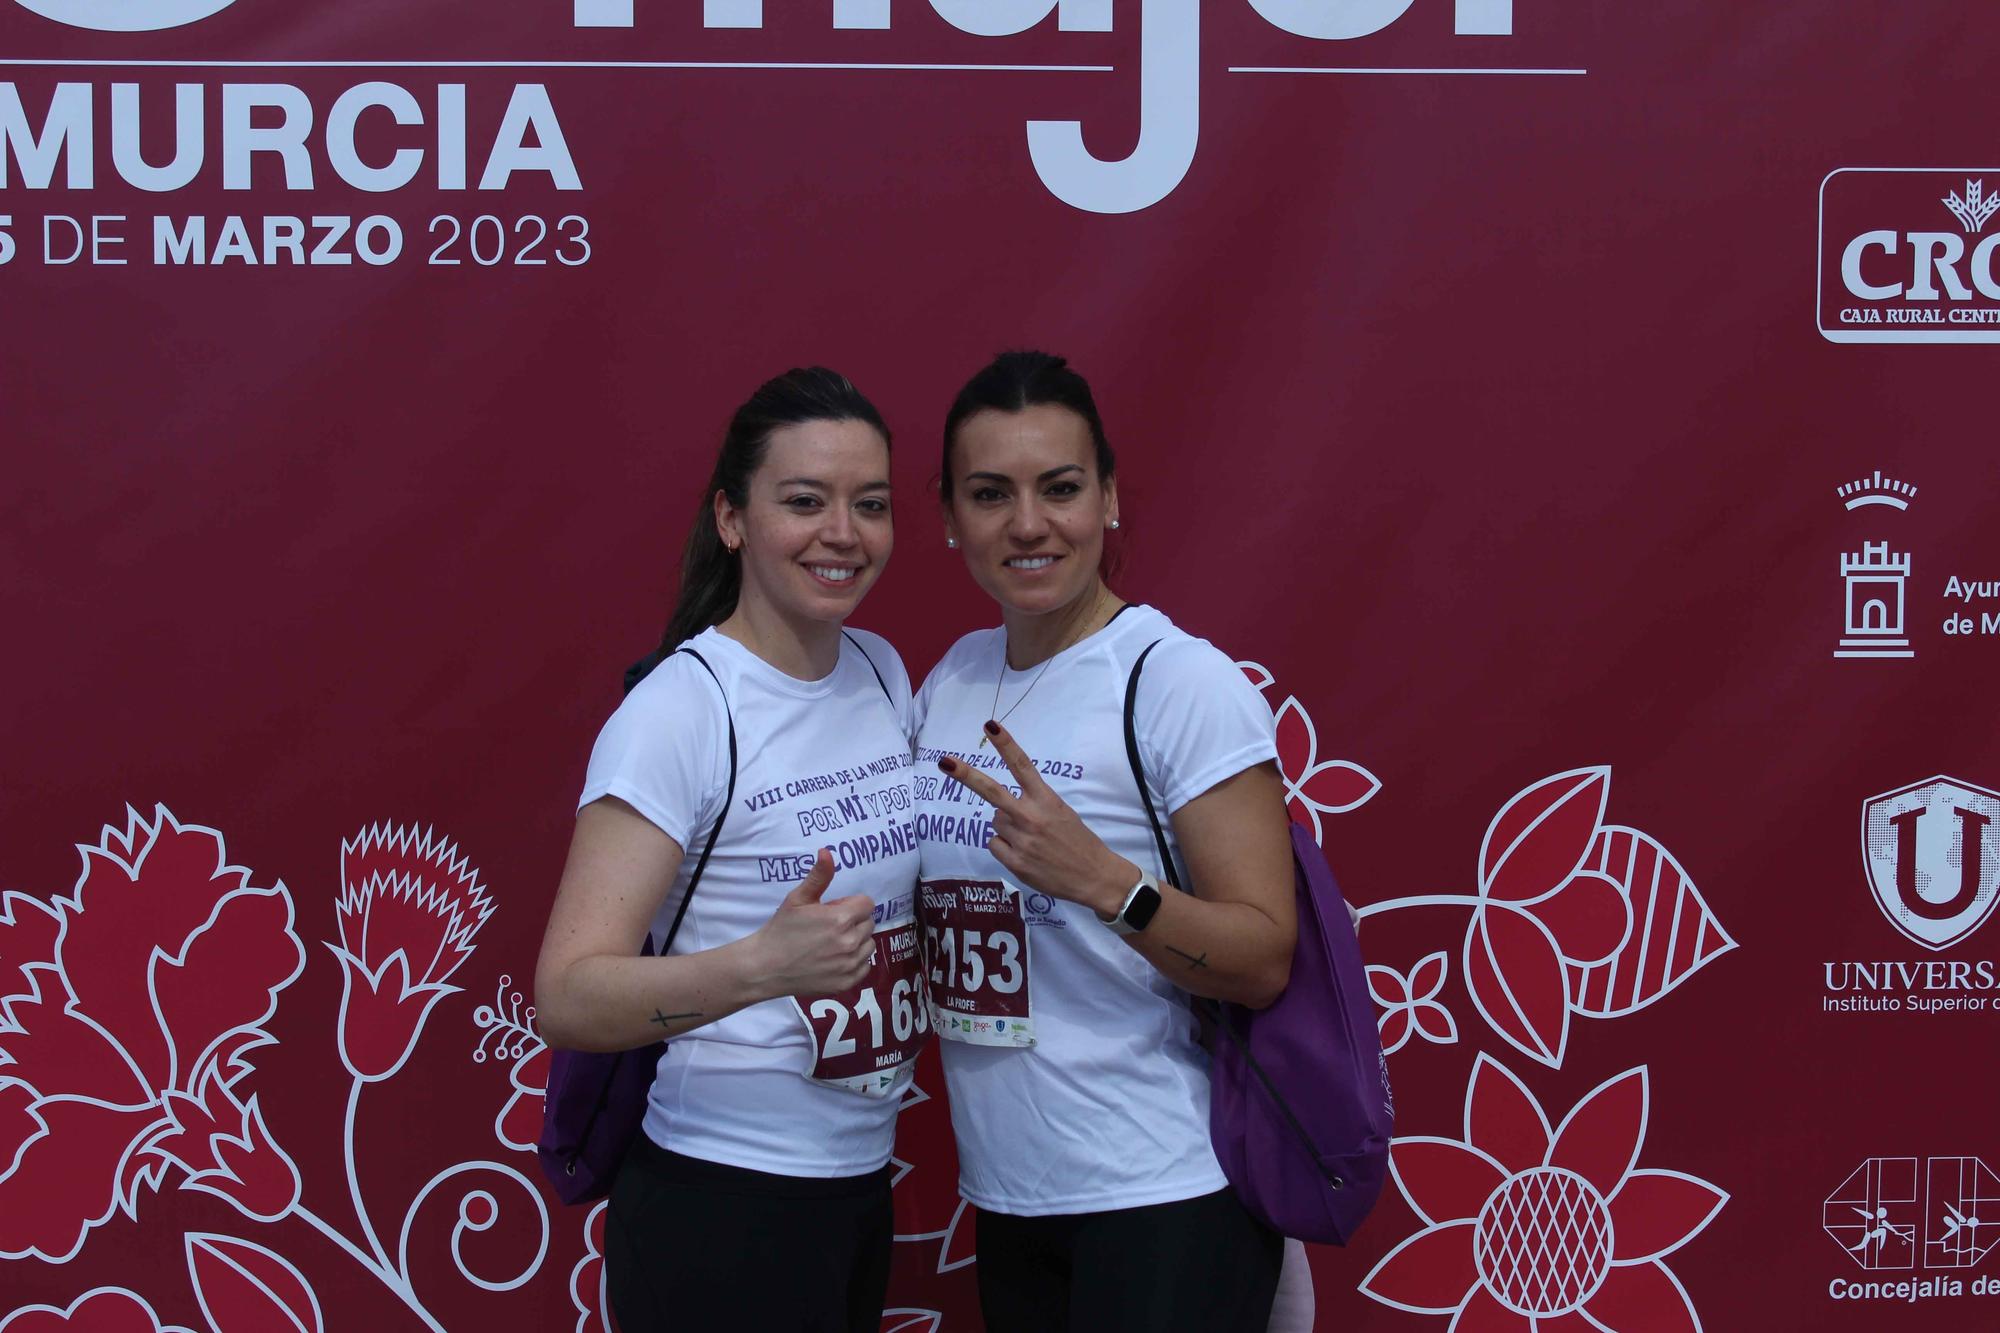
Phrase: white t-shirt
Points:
(1109, 1109)
(822, 763)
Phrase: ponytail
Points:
(711, 574)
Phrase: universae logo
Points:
(1932, 851)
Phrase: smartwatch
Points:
(1140, 905)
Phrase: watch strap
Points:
(1136, 912)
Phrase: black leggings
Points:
(1197, 1266)
(691, 1244)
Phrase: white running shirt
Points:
(1109, 1109)
(822, 763)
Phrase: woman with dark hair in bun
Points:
(1061, 952)
(760, 750)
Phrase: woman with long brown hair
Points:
(748, 804)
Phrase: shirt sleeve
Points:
(1199, 720)
(665, 752)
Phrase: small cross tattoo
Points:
(1192, 961)
(667, 1020)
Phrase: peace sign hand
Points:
(1039, 839)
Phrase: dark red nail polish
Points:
(992, 728)
(947, 765)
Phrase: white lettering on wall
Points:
(1850, 265)
(403, 164)
(276, 119)
(530, 110)
(128, 156)
(1169, 123)
(124, 15)
(243, 139)
(1169, 74)
(1934, 259)
(65, 134)
(1939, 251)
(1341, 20)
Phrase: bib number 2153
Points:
(976, 960)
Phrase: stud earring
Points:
(951, 543)
(1114, 525)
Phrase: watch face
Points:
(1145, 902)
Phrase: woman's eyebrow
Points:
(1050, 475)
(819, 485)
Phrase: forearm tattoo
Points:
(1192, 961)
(668, 1020)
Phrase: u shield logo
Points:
(125, 15)
(1933, 857)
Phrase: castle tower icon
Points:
(1876, 578)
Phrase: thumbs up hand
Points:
(811, 947)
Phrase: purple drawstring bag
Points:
(1300, 1111)
(594, 1106)
(595, 1102)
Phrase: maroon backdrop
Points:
(1568, 412)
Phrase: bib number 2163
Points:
(976, 960)
(866, 1039)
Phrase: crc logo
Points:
(125, 15)
(1883, 1219)
(1933, 857)
(1906, 255)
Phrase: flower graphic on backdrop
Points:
(409, 907)
(127, 1010)
(1529, 1230)
(909, 1319)
(100, 1310)
(507, 1032)
(587, 1294)
(1540, 909)
(1576, 915)
(1410, 1004)
(1572, 916)
(1313, 786)
(924, 1175)
(245, 1288)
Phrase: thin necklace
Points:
(984, 739)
